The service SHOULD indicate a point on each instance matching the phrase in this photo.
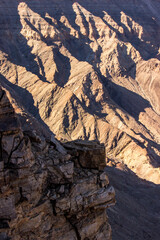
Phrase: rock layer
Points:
(89, 70)
(45, 194)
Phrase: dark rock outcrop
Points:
(88, 70)
(45, 194)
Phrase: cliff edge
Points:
(50, 191)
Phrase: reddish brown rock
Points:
(46, 194)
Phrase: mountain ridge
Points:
(89, 70)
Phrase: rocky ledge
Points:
(50, 191)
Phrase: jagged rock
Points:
(89, 71)
(44, 193)
(89, 154)
(59, 147)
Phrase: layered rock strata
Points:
(90, 70)
(50, 191)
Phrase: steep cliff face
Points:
(46, 193)
(90, 70)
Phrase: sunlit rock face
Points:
(89, 70)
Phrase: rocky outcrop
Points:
(88, 70)
(50, 191)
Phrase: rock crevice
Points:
(45, 194)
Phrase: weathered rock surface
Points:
(89, 70)
(45, 194)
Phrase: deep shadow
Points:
(84, 21)
(63, 68)
(78, 47)
(136, 213)
(14, 44)
(43, 77)
(20, 53)
(127, 65)
(62, 62)
(147, 48)
(131, 102)
(94, 108)
(25, 98)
